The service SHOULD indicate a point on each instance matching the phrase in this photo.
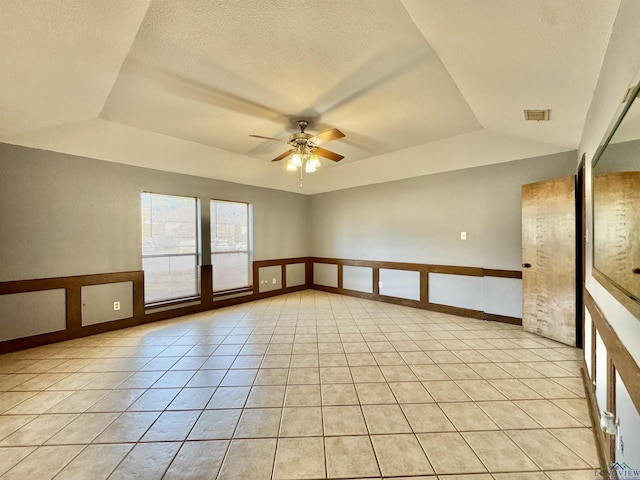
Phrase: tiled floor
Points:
(304, 386)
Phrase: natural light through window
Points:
(230, 245)
(169, 247)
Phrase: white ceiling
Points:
(417, 86)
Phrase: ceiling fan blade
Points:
(327, 154)
(326, 136)
(281, 156)
(269, 138)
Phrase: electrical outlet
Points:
(274, 280)
(116, 305)
(463, 235)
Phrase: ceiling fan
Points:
(306, 144)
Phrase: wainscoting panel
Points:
(502, 296)
(325, 274)
(456, 291)
(359, 279)
(400, 284)
(97, 302)
(32, 313)
(296, 274)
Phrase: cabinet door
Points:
(549, 259)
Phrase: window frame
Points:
(248, 251)
(198, 252)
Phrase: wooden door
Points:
(549, 259)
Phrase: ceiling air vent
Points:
(537, 115)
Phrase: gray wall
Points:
(420, 219)
(63, 215)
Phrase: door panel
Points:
(549, 259)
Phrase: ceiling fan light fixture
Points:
(296, 159)
(291, 167)
(312, 164)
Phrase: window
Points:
(230, 245)
(169, 247)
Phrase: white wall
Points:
(621, 69)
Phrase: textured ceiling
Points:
(417, 86)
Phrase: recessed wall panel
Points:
(325, 274)
(601, 373)
(588, 341)
(98, 300)
(628, 441)
(32, 313)
(502, 296)
(357, 278)
(400, 284)
(270, 278)
(456, 290)
(296, 274)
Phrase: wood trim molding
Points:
(73, 287)
(604, 454)
(620, 357)
(629, 303)
(424, 270)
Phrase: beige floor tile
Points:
(410, 392)
(416, 358)
(580, 441)
(360, 359)
(468, 416)
(197, 460)
(425, 418)
(479, 390)
(507, 415)
(83, 429)
(272, 376)
(266, 396)
(115, 400)
(39, 403)
(385, 419)
(450, 454)
(10, 456)
(249, 460)
(156, 399)
(519, 370)
(514, 389)
(498, 452)
(446, 391)
(172, 426)
(547, 414)
(95, 462)
(344, 420)
(300, 458)
(339, 394)
(472, 476)
(538, 443)
(146, 461)
(350, 457)
(259, 423)
(229, 397)
(44, 463)
(459, 371)
(522, 476)
(573, 384)
(400, 455)
(335, 375)
(301, 422)
(38, 430)
(239, 378)
(206, 378)
(215, 424)
(304, 376)
(11, 423)
(374, 393)
(389, 358)
(302, 396)
(548, 388)
(332, 360)
(572, 475)
(128, 427)
(9, 400)
(429, 372)
(367, 374)
(398, 373)
(577, 408)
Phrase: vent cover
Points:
(537, 115)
